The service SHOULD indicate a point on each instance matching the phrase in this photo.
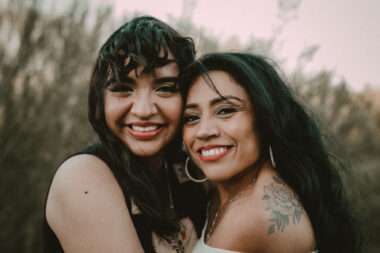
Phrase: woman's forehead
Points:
(169, 69)
(215, 84)
(221, 80)
(138, 65)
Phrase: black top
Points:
(189, 201)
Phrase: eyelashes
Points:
(125, 88)
(190, 118)
(222, 112)
(120, 88)
(226, 110)
(169, 88)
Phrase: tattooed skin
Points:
(283, 205)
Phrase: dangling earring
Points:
(188, 174)
(271, 157)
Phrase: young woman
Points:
(122, 194)
(276, 189)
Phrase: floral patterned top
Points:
(181, 242)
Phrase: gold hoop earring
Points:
(271, 157)
(188, 174)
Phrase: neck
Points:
(154, 162)
(230, 188)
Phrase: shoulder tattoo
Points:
(282, 204)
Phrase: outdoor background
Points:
(47, 51)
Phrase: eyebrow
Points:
(127, 79)
(166, 62)
(167, 79)
(215, 101)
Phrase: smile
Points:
(144, 131)
(213, 152)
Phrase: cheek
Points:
(246, 138)
(187, 134)
(112, 110)
(250, 146)
(172, 110)
(109, 111)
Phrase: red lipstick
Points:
(137, 130)
(210, 158)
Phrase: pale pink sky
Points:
(348, 31)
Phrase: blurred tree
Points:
(350, 123)
(46, 61)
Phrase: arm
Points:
(87, 211)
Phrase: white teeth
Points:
(144, 129)
(214, 151)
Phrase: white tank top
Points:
(202, 247)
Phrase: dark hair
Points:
(145, 41)
(300, 155)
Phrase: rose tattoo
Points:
(282, 204)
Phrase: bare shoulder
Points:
(279, 222)
(81, 172)
(86, 206)
(81, 178)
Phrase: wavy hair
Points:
(145, 41)
(302, 160)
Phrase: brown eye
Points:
(191, 118)
(120, 88)
(170, 88)
(226, 111)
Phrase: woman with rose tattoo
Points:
(276, 188)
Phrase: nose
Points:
(144, 106)
(207, 129)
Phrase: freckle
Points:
(85, 192)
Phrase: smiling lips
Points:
(213, 152)
(145, 130)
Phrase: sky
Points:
(346, 31)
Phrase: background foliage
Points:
(45, 63)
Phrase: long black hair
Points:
(302, 160)
(144, 41)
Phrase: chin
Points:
(216, 176)
(146, 150)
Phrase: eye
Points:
(168, 88)
(120, 88)
(226, 111)
(190, 118)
